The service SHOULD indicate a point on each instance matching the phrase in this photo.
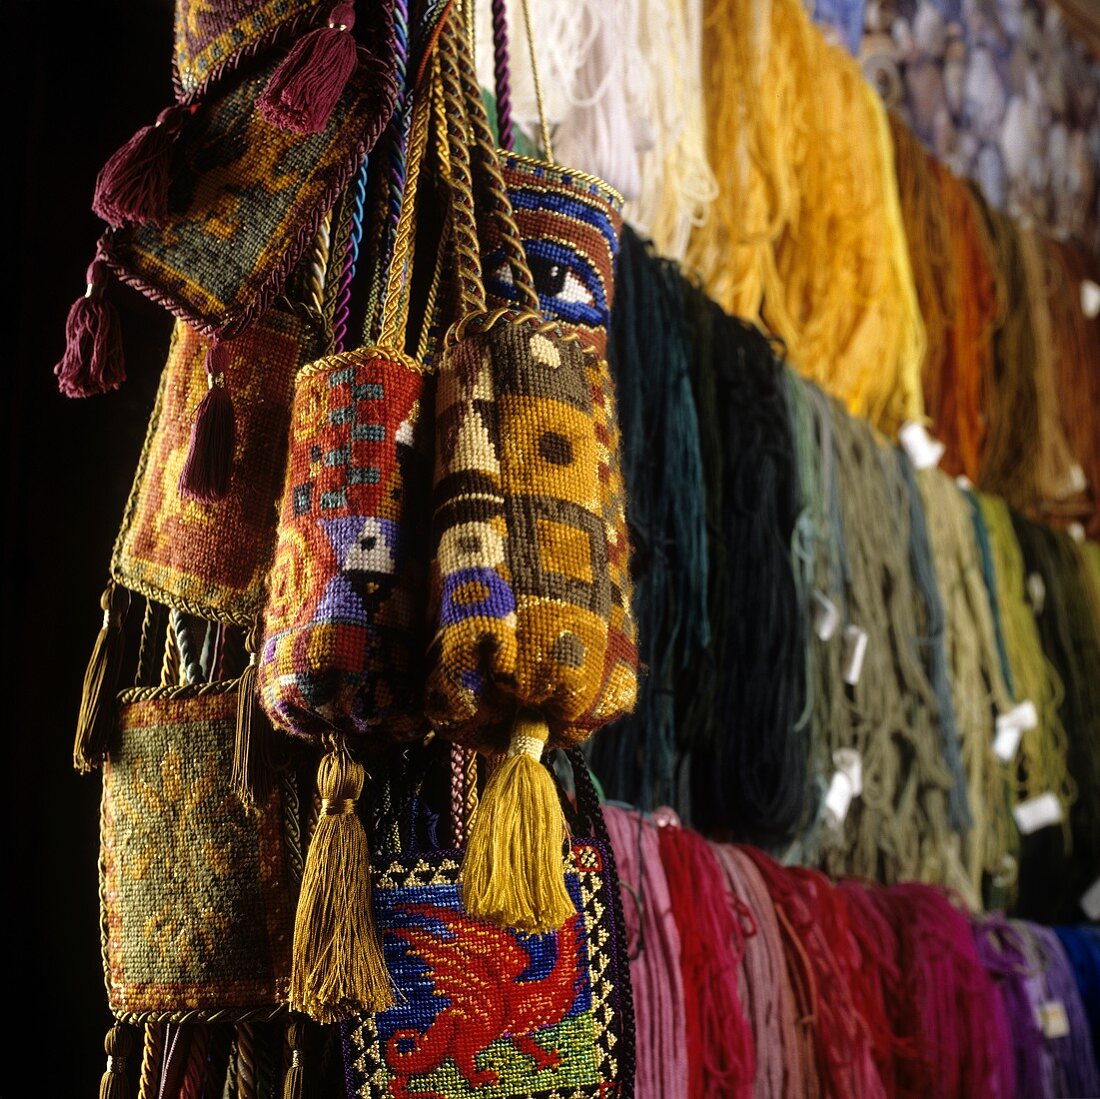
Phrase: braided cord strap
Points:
(152, 1058)
(395, 308)
(467, 255)
(492, 187)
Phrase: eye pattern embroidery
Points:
(568, 288)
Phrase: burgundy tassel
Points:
(132, 187)
(304, 89)
(93, 361)
(209, 463)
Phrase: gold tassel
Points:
(513, 872)
(119, 1047)
(253, 750)
(95, 722)
(338, 968)
(294, 1082)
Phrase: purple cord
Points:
(501, 72)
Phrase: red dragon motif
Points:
(478, 968)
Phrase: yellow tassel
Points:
(253, 761)
(295, 1080)
(119, 1047)
(95, 722)
(513, 872)
(338, 969)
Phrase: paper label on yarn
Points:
(838, 799)
(1038, 812)
(924, 451)
(1078, 482)
(1023, 715)
(1090, 901)
(825, 615)
(846, 784)
(1076, 532)
(1007, 741)
(1011, 726)
(849, 762)
(855, 649)
(1036, 592)
(1090, 298)
(1053, 1019)
(964, 483)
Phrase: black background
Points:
(80, 80)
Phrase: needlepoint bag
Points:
(343, 629)
(490, 1012)
(533, 632)
(245, 199)
(211, 557)
(197, 892)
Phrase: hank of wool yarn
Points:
(654, 941)
(1082, 946)
(951, 1007)
(649, 352)
(782, 1070)
(720, 1054)
(1065, 1024)
(742, 725)
(819, 918)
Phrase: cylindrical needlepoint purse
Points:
(533, 640)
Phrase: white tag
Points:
(849, 762)
(846, 783)
(1036, 592)
(1078, 482)
(1038, 812)
(838, 799)
(1076, 532)
(1053, 1019)
(964, 483)
(1011, 726)
(855, 649)
(1007, 741)
(1023, 715)
(1090, 901)
(924, 451)
(1090, 298)
(826, 617)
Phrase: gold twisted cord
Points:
(145, 644)
(544, 126)
(493, 182)
(352, 358)
(152, 1057)
(463, 223)
(430, 317)
(372, 315)
(183, 1017)
(395, 315)
(199, 689)
(170, 668)
(471, 786)
(319, 263)
(246, 1061)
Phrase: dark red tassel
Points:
(93, 361)
(304, 89)
(132, 187)
(209, 463)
